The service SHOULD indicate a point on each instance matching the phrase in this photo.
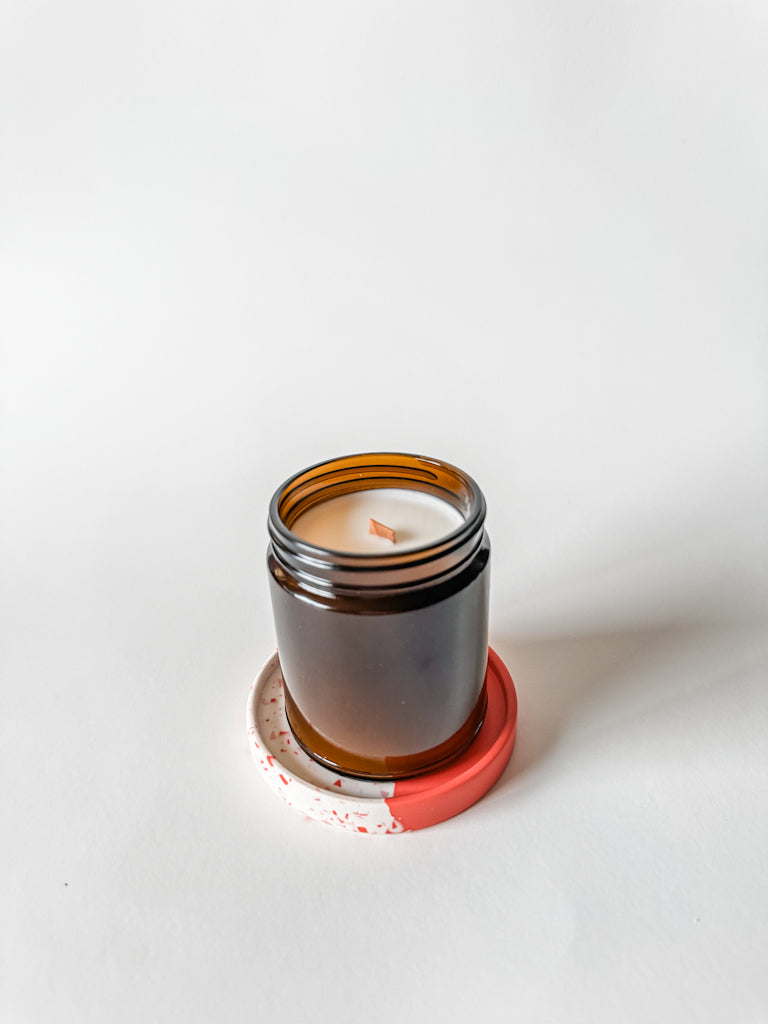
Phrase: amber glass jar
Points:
(383, 655)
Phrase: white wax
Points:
(341, 523)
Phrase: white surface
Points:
(526, 238)
(342, 523)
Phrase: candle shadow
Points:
(572, 685)
(404, 535)
(674, 610)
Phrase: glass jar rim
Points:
(363, 471)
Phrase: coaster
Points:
(379, 808)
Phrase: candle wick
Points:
(380, 530)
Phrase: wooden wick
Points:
(380, 530)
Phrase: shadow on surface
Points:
(572, 683)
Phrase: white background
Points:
(527, 238)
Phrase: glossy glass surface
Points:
(383, 656)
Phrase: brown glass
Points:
(383, 655)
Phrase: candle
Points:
(383, 644)
(342, 523)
